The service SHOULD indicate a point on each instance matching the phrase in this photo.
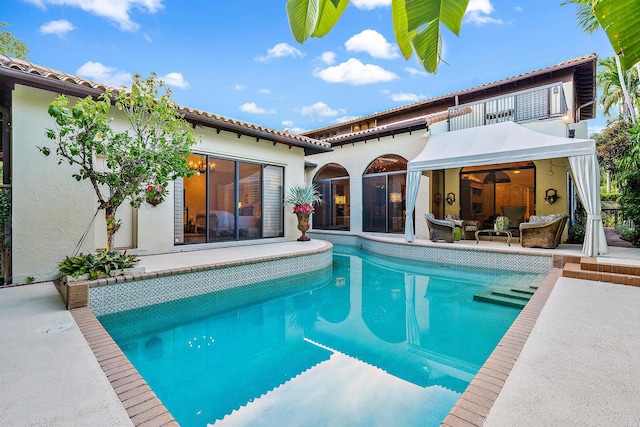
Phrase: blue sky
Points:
(238, 58)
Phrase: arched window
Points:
(383, 194)
(489, 191)
(332, 181)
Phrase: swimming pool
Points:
(375, 341)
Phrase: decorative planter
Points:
(303, 225)
(131, 270)
(154, 200)
(502, 223)
(71, 279)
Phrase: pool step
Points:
(511, 297)
(527, 291)
(500, 300)
(510, 293)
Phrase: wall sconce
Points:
(395, 197)
(451, 198)
(551, 196)
(340, 200)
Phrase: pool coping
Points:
(145, 408)
(472, 408)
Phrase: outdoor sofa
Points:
(543, 231)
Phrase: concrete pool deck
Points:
(580, 364)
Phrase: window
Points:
(333, 184)
(384, 192)
(357, 127)
(228, 199)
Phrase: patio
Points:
(557, 379)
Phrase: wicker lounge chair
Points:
(440, 229)
(543, 231)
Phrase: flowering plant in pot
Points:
(303, 198)
(155, 194)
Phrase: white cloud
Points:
(328, 58)
(280, 50)
(240, 87)
(103, 74)
(175, 79)
(148, 38)
(356, 73)
(478, 13)
(373, 43)
(60, 27)
(406, 97)
(265, 91)
(370, 4)
(518, 9)
(320, 109)
(116, 11)
(252, 108)
(290, 127)
(415, 72)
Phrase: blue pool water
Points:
(373, 341)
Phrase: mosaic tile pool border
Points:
(114, 297)
(467, 256)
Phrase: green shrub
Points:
(96, 263)
(627, 233)
(610, 197)
(577, 231)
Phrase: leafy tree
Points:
(612, 144)
(629, 165)
(612, 91)
(417, 24)
(151, 152)
(10, 45)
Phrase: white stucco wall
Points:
(51, 210)
(355, 159)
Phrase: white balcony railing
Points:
(534, 104)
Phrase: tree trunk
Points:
(112, 226)
(627, 98)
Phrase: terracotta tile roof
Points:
(557, 67)
(397, 127)
(54, 80)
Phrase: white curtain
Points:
(413, 185)
(586, 176)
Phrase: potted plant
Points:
(303, 198)
(155, 194)
(95, 265)
(502, 223)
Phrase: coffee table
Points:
(492, 232)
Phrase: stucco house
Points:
(235, 198)
(371, 171)
(502, 148)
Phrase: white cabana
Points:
(510, 142)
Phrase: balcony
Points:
(541, 103)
